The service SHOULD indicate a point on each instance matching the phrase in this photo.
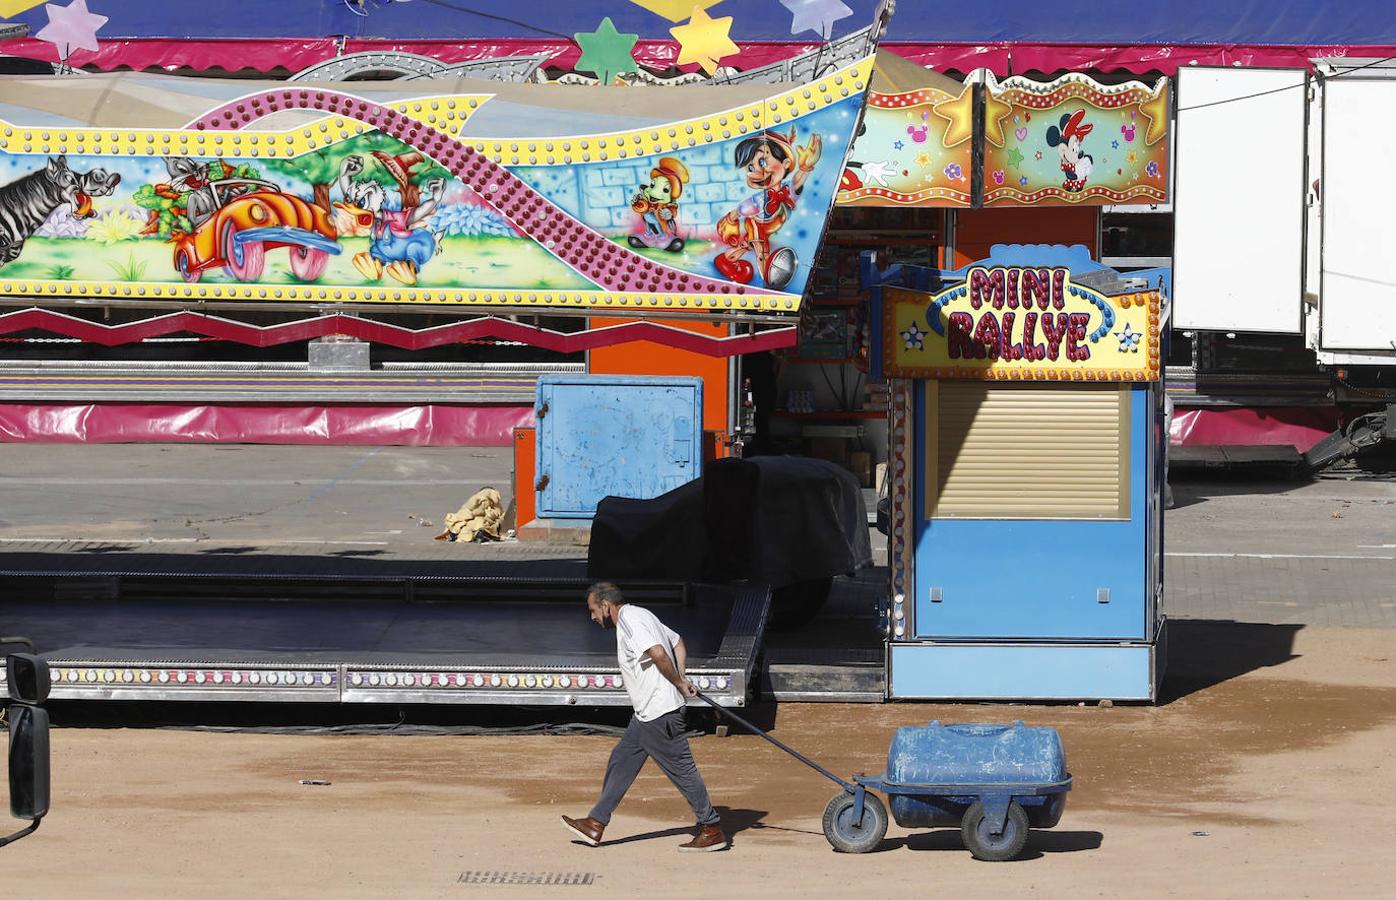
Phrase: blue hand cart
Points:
(1021, 785)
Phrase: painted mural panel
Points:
(1074, 141)
(909, 152)
(694, 204)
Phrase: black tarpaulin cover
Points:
(775, 519)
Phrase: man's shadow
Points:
(734, 822)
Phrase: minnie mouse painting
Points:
(1067, 137)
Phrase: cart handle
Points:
(852, 789)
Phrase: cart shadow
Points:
(734, 822)
(1040, 843)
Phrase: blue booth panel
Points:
(1048, 579)
(614, 435)
(1025, 671)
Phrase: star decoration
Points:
(1155, 109)
(14, 7)
(1114, 145)
(71, 27)
(1129, 339)
(959, 112)
(704, 40)
(675, 10)
(923, 159)
(1015, 157)
(995, 111)
(897, 145)
(818, 16)
(606, 52)
(914, 337)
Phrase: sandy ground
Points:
(1267, 773)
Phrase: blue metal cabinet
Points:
(1003, 578)
(614, 435)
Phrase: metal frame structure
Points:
(184, 674)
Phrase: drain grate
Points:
(538, 878)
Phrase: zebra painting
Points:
(26, 203)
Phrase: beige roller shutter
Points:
(1027, 451)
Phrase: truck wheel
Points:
(994, 847)
(186, 269)
(307, 263)
(242, 259)
(847, 836)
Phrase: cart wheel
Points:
(994, 847)
(848, 836)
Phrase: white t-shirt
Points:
(651, 694)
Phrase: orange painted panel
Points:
(976, 230)
(646, 358)
(525, 451)
(715, 446)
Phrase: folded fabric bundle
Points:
(478, 520)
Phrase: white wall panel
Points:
(1238, 252)
(1358, 195)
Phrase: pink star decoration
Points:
(71, 27)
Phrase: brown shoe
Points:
(588, 829)
(710, 838)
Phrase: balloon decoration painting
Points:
(1074, 140)
(1071, 141)
(908, 154)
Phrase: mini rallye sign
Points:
(1021, 323)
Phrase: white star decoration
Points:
(914, 337)
(1129, 339)
(71, 27)
(818, 16)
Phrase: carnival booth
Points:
(1026, 464)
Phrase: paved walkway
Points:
(1321, 592)
(1317, 553)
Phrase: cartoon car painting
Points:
(250, 218)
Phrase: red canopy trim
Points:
(294, 54)
(186, 322)
(1017, 58)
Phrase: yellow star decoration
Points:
(960, 114)
(1155, 109)
(995, 111)
(12, 7)
(923, 159)
(704, 40)
(675, 10)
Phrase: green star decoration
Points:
(606, 52)
(1015, 157)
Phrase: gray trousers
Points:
(662, 740)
